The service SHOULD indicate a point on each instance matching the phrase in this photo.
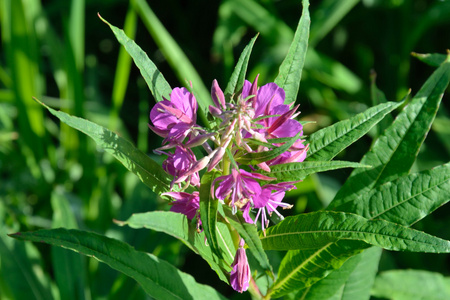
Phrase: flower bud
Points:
(240, 275)
(217, 95)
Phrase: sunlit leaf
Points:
(237, 78)
(291, 69)
(152, 76)
(176, 225)
(148, 171)
(328, 142)
(158, 278)
(317, 229)
(395, 151)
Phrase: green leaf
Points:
(176, 225)
(411, 284)
(317, 229)
(152, 76)
(434, 60)
(299, 170)
(158, 278)
(300, 269)
(325, 288)
(405, 200)
(394, 152)
(250, 234)
(254, 158)
(237, 78)
(290, 72)
(208, 211)
(351, 281)
(328, 142)
(148, 171)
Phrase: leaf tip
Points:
(120, 223)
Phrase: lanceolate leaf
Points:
(250, 234)
(411, 284)
(176, 225)
(327, 287)
(406, 200)
(240, 70)
(254, 158)
(351, 281)
(395, 151)
(300, 269)
(298, 171)
(328, 142)
(158, 278)
(148, 171)
(152, 76)
(291, 69)
(317, 229)
(434, 60)
(208, 212)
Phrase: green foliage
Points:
(158, 278)
(53, 54)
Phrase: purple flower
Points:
(241, 186)
(269, 100)
(185, 203)
(174, 119)
(240, 275)
(180, 163)
(267, 202)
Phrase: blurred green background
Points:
(61, 53)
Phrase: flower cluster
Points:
(255, 121)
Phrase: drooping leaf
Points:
(411, 284)
(237, 78)
(405, 200)
(394, 152)
(328, 142)
(300, 269)
(291, 68)
(254, 158)
(317, 229)
(298, 171)
(177, 225)
(250, 234)
(155, 80)
(148, 171)
(158, 278)
(208, 212)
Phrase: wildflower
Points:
(185, 203)
(267, 202)
(174, 119)
(241, 186)
(240, 275)
(179, 164)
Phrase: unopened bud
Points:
(217, 95)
